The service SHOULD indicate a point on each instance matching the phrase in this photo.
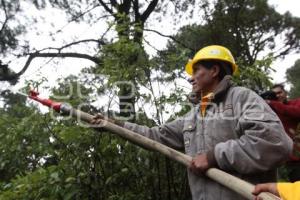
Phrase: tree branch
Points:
(44, 55)
(136, 10)
(3, 25)
(149, 10)
(282, 53)
(106, 7)
(114, 3)
(171, 37)
(100, 42)
(74, 18)
(65, 55)
(6, 17)
(126, 6)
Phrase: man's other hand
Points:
(267, 187)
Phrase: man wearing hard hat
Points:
(230, 128)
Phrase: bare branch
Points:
(106, 7)
(44, 55)
(149, 10)
(107, 30)
(100, 42)
(153, 47)
(7, 77)
(6, 17)
(65, 55)
(3, 26)
(74, 18)
(171, 37)
(125, 6)
(114, 3)
(282, 53)
(136, 10)
(84, 12)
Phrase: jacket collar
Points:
(218, 93)
(222, 88)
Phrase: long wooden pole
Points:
(239, 186)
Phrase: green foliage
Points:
(123, 60)
(44, 183)
(58, 159)
(246, 27)
(24, 139)
(255, 76)
(46, 156)
(283, 174)
(292, 75)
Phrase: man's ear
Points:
(215, 70)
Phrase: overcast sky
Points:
(281, 66)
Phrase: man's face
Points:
(201, 78)
(280, 94)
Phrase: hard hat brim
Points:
(189, 67)
(190, 64)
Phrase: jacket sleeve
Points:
(169, 134)
(289, 191)
(292, 111)
(262, 143)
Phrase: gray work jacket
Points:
(246, 137)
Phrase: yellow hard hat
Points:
(213, 52)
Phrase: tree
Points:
(248, 28)
(62, 160)
(128, 19)
(25, 141)
(87, 176)
(292, 75)
(72, 162)
(9, 32)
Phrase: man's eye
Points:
(195, 69)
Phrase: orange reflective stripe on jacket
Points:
(204, 103)
(289, 191)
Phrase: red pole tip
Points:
(47, 102)
(33, 93)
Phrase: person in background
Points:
(289, 114)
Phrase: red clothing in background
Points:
(289, 114)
